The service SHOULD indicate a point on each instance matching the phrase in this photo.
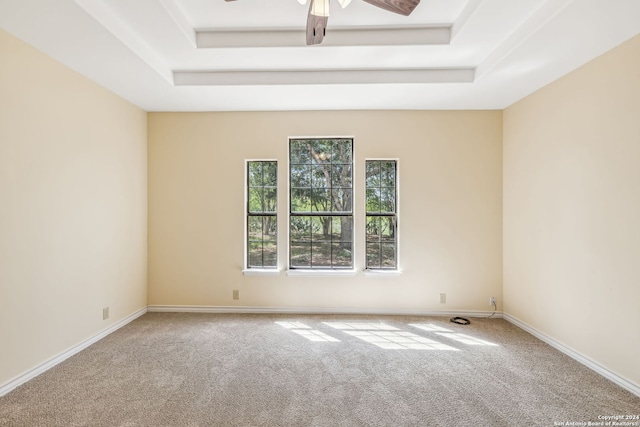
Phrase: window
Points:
(321, 203)
(381, 213)
(262, 205)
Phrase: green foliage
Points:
(321, 175)
(381, 199)
(380, 186)
(262, 178)
(321, 181)
(263, 186)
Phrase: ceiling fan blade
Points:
(403, 7)
(316, 26)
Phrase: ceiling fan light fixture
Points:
(320, 7)
(318, 15)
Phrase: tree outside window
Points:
(321, 203)
(262, 205)
(381, 213)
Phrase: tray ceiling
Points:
(212, 55)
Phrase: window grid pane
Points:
(381, 214)
(321, 203)
(262, 204)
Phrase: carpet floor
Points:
(178, 369)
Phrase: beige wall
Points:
(572, 210)
(450, 208)
(72, 208)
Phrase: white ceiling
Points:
(449, 54)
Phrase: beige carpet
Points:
(168, 369)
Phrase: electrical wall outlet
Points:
(105, 313)
(236, 294)
(492, 301)
(443, 298)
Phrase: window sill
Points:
(260, 272)
(321, 273)
(382, 273)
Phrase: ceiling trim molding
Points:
(175, 12)
(464, 16)
(439, 34)
(323, 77)
(542, 15)
(104, 15)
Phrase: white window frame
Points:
(343, 272)
(247, 271)
(375, 272)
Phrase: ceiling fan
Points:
(319, 14)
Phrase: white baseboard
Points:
(43, 367)
(314, 310)
(589, 363)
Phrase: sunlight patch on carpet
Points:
(315, 335)
(429, 327)
(293, 325)
(343, 326)
(307, 332)
(388, 337)
(399, 340)
(465, 339)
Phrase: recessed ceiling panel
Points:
(506, 49)
(213, 14)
